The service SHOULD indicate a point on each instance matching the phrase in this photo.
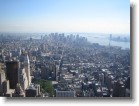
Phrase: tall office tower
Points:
(2, 79)
(27, 68)
(12, 68)
(23, 78)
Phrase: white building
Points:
(2, 79)
(6, 89)
(23, 79)
(27, 68)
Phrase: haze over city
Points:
(65, 48)
(99, 16)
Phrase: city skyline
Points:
(99, 16)
(56, 65)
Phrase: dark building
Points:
(45, 72)
(119, 89)
(33, 91)
(128, 83)
(12, 73)
(48, 72)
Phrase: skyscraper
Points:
(12, 68)
(2, 79)
(23, 78)
(27, 69)
(26, 63)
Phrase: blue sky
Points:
(100, 16)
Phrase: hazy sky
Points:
(102, 16)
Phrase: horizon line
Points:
(64, 33)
